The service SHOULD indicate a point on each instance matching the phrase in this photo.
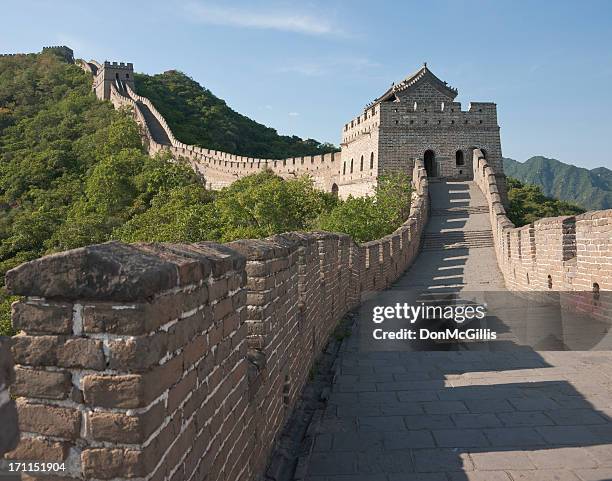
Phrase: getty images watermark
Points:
(435, 317)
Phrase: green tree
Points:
(198, 117)
(263, 204)
(527, 204)
(371, 217)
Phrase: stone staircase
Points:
(460, 211)
(157, 131)
(458, 240)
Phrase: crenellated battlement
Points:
(119, 65)
(571, 254)
(131, 358)
(414, 117)
(183, 361)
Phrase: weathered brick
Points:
(136, 318)
(137, 353)
(195, 350)
(39, 449)
(49, 420)
(162, 377)
(42, 317)
(179, 392)
(123, 428)
(114, 391)
(82, 353)
(35, 350)
(41, 384)
(222, 309)
(217, 289)
(108, 463)
(105, 271)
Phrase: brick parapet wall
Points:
(121, 101)
(180, 362)
(571, 254)
(221, 168)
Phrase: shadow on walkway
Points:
(495, 411)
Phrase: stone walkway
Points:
(461, 412)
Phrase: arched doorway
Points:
(429, 158)
(334, 190)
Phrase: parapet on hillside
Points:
(183, 361)
(569, 254)
(416, 118)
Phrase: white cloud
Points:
(267, 20)
(293, 114)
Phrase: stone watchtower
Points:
(418, 118)
(111, 72)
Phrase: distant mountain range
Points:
(590, 189)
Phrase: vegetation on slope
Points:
(74, 173)
(73, 169)
(528, 204)
(590, 189)
(371, 217)
(198, 117)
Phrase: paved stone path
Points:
(456, 415)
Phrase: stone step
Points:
(155, 128)
(458, 240)
(459, 211)
(458, 235)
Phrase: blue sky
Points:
(306, 67)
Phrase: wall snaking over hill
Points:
(570, 254)
(183, 361)
(220, 169)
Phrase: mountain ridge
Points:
(198, 117)
(591, 189)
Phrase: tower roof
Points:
(421, 75)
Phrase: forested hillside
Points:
(590, 189)
(74, 172)
(72, 169)
(197, 117)
(528, 204)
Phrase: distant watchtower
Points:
(111, 72)
(418, 118)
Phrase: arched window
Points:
(344, 169)
(371, 160)
(334, 190)
(459, 160)
(361, 164)
(351, 166)
(117, 76)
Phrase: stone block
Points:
(49, 420)
(41, 384)
(42, 317)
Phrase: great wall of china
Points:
(183, 361)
